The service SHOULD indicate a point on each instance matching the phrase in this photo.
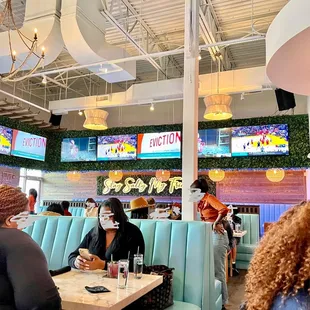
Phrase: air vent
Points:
(103, 98)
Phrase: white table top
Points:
(240, 234)
(75, 297)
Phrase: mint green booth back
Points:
(248, 244)
(75, 211)
(185, 246)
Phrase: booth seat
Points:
(248, 244)
(185, 246)
(75, 211)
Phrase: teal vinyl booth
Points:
(185, 246)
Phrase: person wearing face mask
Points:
(91, 208)
(113, 235)
(25, 282)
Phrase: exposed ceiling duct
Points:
(83, 31)
(44, 16)
(237, 81)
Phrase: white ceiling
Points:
(165, 23)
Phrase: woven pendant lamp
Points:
(96, 119)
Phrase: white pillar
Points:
(190, 106)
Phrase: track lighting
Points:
(80, 113)
(199, 57)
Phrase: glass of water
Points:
(123, 273)
(138, 265)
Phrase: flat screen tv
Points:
(214, 143)
(260, 140)
(27, 145)
(159, 145)
(6, 136)
(122, 147)
(79, 149)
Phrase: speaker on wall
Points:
(285, 99)
(55, 120)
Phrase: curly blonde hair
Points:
(281, 263)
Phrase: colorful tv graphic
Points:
(123, 147)
(260, 140)
(29, 146)
(6, 135)
(214, 143)
(159, 145)
(79, 149)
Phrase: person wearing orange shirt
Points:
(213, 211)
(32, 199)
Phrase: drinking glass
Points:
(138, 265)
(112, 269)
(123, 273)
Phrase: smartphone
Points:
(97, 289)
(85, 254)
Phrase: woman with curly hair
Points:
(279, 273)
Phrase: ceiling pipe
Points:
(153, 55)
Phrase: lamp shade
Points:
(275, 175)
(218, 107)
(115, 176)
(74, 176)
(96, 119)
(217, 175)
(162, 175)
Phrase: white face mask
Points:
(23, 220)
(90, 205)
(106, 222)
(195, 195)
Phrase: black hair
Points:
(140, 213)
(65, 205)
(34, 193)
(56, 207)
(201, 184)
(117, 209)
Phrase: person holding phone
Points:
(113, 235)
(213, 211)
(25, 282)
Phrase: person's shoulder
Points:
(16, 238)
(300, 301)
(132, 227)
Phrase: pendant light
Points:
(115, 175)
(74, 176)
(275, 175)
(162, 175)
(96, 119)
(218, 105)
(217, 175)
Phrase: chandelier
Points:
(218, 105)
(7, 20)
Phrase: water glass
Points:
(112, 269)
(123, 273)
(138, 265)
(238, 227)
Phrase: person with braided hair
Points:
(279, 273)
(25, 282)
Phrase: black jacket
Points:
(125, 241)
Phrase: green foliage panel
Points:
(299, 148)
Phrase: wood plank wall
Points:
(254, 187)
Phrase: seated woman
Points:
(116, 236)
(91, 208)
(25, 282)
(55, 209)
(279, 273)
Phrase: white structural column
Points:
(190, 106)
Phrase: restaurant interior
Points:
(136, 101)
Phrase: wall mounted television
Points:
(27, 145)
(260, 140)
(121, 147)
(79, 149)
(159, 145)
(214, 143)
(6, 136)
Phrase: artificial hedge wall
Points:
(299, 147)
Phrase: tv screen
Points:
(79, 149)
(123, 147)
(6, 135)
(159, 145)
(27, 145)
(214, 143)
(260, 140)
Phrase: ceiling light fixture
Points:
(96, 119)
(44, 80)
(218, 105)
(103, 70)
(31, 44)
(242, 96)
(199, 57)
(80, 113)
(152, 107)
